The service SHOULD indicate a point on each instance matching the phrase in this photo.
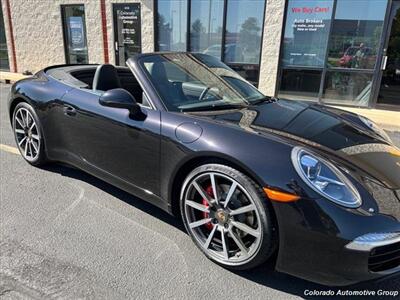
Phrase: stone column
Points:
(273, 25)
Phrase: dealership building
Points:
(340, 52)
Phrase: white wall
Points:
(38, 31)
(39, 36)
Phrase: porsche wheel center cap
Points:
(221, 216)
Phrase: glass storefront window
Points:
(74, 26)
(306, 32)
(356, 33)
(249, 72)
(349, 88)
(244, 23)
(172, 25)
(322, 40)
(4, 63)
(301, 84)
(229, 30)
(206, 26)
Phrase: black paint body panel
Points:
(145, 155)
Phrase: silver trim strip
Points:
(384, 61)
(370, 148)
(389, 271)
(368, 246)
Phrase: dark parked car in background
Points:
(253, 177)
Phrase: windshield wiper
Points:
(213, 107)
(264, 99)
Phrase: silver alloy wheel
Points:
(27, 134)
(223, 218)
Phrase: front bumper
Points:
(383, 249)
(334, 246)
(370, 241)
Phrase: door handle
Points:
(69, 110)
(384, 62)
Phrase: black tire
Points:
(40, 158)
(269, 240)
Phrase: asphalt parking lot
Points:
(66, 234)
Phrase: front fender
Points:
(266, 160)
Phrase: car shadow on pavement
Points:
(265, 274)
(130, 199)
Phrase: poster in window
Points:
(306, 32)
(77, 35)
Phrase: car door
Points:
(111, 142)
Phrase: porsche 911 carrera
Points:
(313, 189)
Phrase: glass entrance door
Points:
(389, 93)
(127, 31)
(74, 27)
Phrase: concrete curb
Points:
(9, 77)
(385, 118)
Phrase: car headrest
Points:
(106, 78)
(158, 72)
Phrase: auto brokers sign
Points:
(306, 32)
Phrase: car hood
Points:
(333, 130)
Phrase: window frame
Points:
(223, 39)
(376, 71)
(280, 74)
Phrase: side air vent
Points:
(384, 258)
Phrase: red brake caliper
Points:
(209, 191)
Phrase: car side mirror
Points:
(120, 98)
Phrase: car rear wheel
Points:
(28, 135)
(227, 216)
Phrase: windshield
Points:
(193, 82)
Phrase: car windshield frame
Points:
(215, 85)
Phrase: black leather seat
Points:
(106, 78)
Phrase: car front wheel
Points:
(228, 217)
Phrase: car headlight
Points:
(375, 128)
(323, 177)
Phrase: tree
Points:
(250, 26)
(249, 34)
(197, 27)
(164, 30)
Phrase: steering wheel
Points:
(204, 93)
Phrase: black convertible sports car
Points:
(253, 177)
